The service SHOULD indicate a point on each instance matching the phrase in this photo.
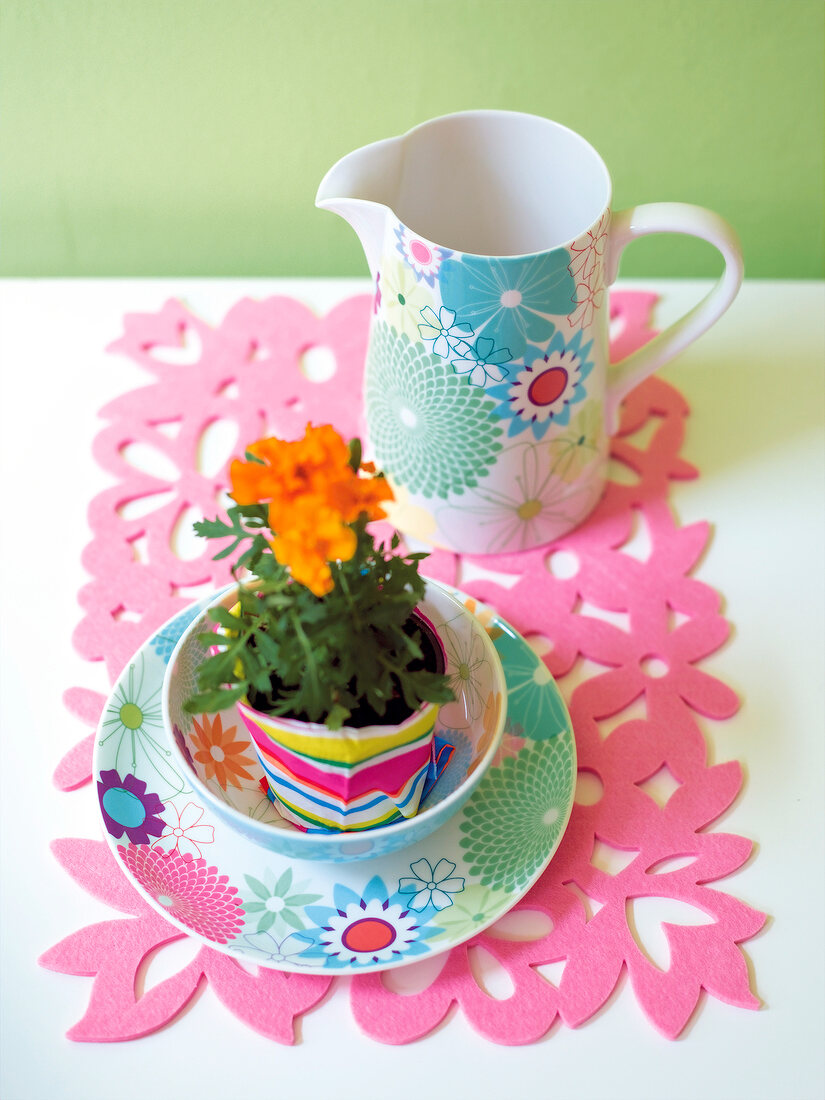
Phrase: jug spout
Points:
(361, 188)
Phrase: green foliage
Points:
(294, 653)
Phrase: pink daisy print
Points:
(424, 258)
(190, 891)
(182, 833)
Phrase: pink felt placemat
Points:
(623, 625)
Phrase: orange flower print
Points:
(219, 752)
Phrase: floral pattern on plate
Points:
(385, 911)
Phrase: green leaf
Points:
(222, 617)
(206, 702)
(213, 529)
(337, 716)
(262, 681)
(227, 550)
(270, 651)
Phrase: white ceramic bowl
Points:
(220, 762)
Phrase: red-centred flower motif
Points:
(189, 890)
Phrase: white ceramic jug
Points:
(488, 398)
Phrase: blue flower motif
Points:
(166, 639)
(483, 362)
(443, 333)
(431, 885)
(509, 297)
(373, 927)
(543, 392)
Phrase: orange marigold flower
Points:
(313, 495)
(252, 482)
(354, 495)
(219, 751)
(312, 543)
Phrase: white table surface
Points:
(755, 385)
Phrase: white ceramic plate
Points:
(332, 918)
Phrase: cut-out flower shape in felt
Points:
(701, 957)
(247, 372)
(706, 956)
(113, 951)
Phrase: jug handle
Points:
(670, 217)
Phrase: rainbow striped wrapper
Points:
(348, 779)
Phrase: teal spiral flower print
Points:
(431, 432)
(513, 825)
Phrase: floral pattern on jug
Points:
(477, 389)
(513, 304)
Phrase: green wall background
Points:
(185, 137)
